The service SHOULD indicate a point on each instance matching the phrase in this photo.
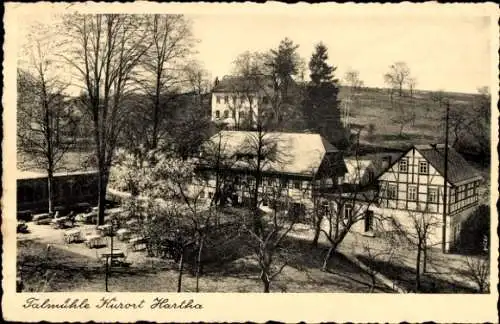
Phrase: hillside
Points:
(373, 106)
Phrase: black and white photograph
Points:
(250, 149)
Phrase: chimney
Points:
(386, 162)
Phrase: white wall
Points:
(230, 106)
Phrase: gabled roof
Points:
(357, 169)
(298, 153)
(458, 168)
(240, 84)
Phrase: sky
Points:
(450, 53)
(443, 52)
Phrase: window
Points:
(432, 195)
(470, 190)
(217, 99)
(403, 165)
(226, 113)
(265, 100)
(284, 182)
(242, 99)
(412, 193)
(202, 194)
(296, 184)
(391, 191)
(422, 167)
(270, 181)
(217, 114)
(226, 99)
(210, 195)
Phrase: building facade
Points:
(236, 101)
(68, 189)
(413, 186)
(301, 163)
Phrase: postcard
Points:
(230, 162)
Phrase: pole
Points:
(445, 194)
(106, 278)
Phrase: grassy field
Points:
(373, 106)
(64, 270)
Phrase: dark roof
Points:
(231, 83)
(236, 84)
(328, 146)
(458, 168)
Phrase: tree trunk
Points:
(424, 256)
(417, 274)
(50, 190)
(103, 183)
(265, 281)
(401, 128)
(317, 231)
(372, 287)
(198, 265)
(328, 256)
(181, 267)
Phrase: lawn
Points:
(64, 270)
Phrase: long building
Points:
(295, 163)
(69, 188)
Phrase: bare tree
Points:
(177, 182)
(402, 115)
(105, 50)
(478, 270)
(274, 227)
(267, 93)
(343, 205)
(352, 80)
(412, 83)
(354, 84)
(163, 62)
(384, 253)
(47, 121)
(417, 232)
(345, 209)
(397, 77)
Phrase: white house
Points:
(237, 100)
(414, 184)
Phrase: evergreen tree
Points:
(284, 63)
(321, 106)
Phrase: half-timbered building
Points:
(300, 163)
(415, 183)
